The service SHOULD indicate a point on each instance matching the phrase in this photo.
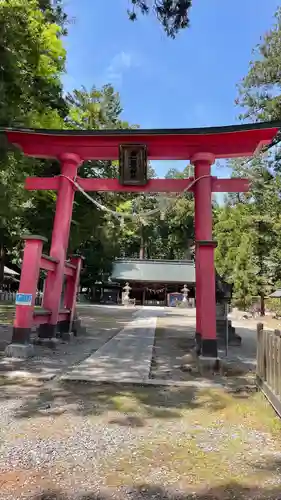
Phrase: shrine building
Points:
(153, 281)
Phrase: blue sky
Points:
(164, 83)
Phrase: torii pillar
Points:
(60, 237)
(206, 337)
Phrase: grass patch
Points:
(178, 437)
(7, 313)
(215, 437)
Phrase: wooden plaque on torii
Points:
(133, 164)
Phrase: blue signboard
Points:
(23, 299)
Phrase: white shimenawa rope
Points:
(122, 215)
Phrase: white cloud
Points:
(120, 63)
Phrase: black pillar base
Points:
(47, 331)
(209, 348)
(198, 343)
(21, 335)
(63, 326)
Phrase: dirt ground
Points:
(174, 338)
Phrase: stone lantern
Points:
(185, 291)
(126, 298)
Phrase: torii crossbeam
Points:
(201, 146)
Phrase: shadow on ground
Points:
(174, 340)
(98, 328)
(227, 491)
(136, 404)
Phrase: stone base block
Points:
(77, 327)
(233, 338)
(67, 336)
(23, 351)
(208, 365)
(47, 342)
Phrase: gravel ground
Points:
(65, 441)
(76, 441)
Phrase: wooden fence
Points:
(269, 365)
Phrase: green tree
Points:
(256, 214)
(32, 59)
(244, 273)
(172, 14)
(247, 226)
(259, 90)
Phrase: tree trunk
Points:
(147, 252)
(187, 254)
(2, 263)
(142, 245)
(262, 312)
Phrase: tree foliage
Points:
(248, 225)
(172, 14)
(32, 60)
(259, 90)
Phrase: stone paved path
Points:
(100, 324)
(127, 356)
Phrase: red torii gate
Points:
(71, 148)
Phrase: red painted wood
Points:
(40, 319)
(64, 316)
(172, 146)
(204, 265)
(69, 270)
(28, 281)
(47, 265)
(60, 236)
(230, 185)
(73, 149)
(153, 186)
(72, 286)
(42, 183)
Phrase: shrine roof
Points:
(154, 271)
(166, 144)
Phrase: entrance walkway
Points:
(127, 356)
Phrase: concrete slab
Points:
(22, 351)
(127, 356)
